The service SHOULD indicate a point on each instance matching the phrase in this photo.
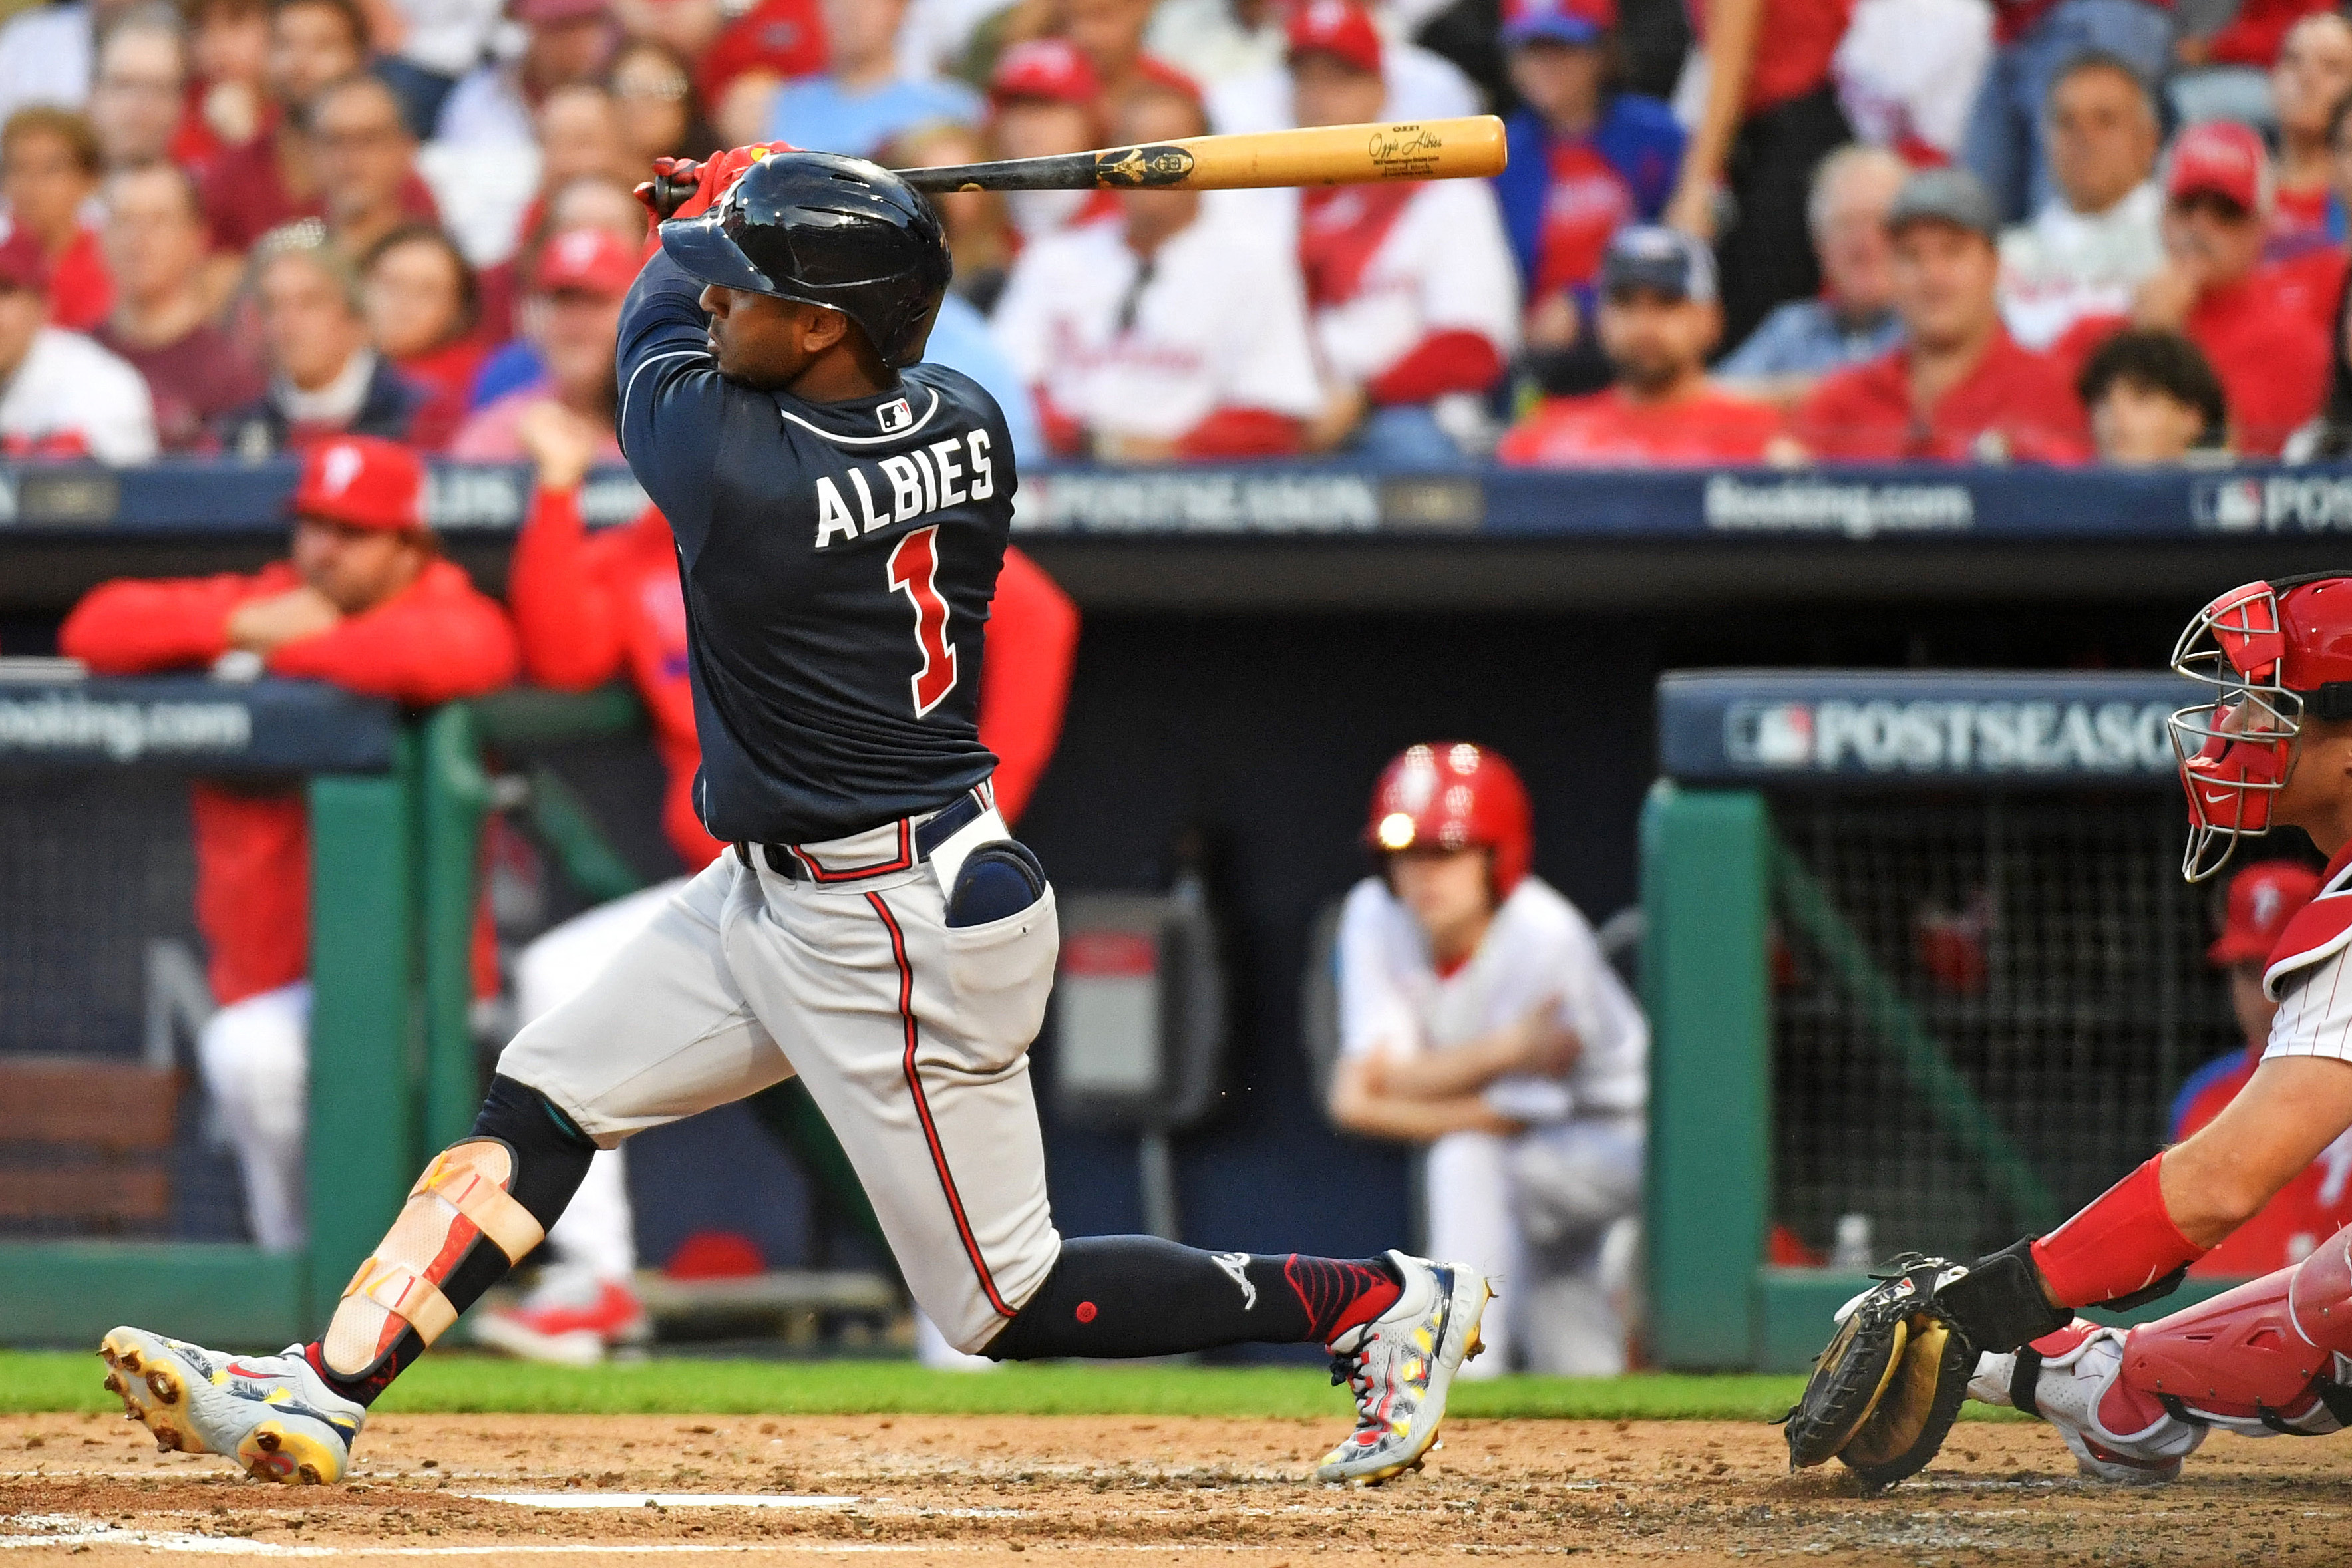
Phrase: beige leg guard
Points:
(461, 1197)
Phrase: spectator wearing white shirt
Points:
(1169, 334)
(2099, 236)
(48, 53)
(65, 397)
(440, 41)
(1421, 85)
(496, 103)
(1414, 293)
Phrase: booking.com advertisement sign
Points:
(1881, 728)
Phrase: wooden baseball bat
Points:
(1467, 148)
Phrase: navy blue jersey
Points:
(838, 561)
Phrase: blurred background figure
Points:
(1168, 334)
(661, 113)
(163, 318)
(1659, 320)
(253, 186)
(1045, 101)
(230, 100)
(1956, 386)
(2089, 247)
(980, 235)
(1110, 33)
(365, 601)
(366, 162)
(2212, 289)
(591, 202)
(140, 94)
(1586, 159)
(48, 53)
(2034, 40)
(324, 378)
(1417, 84)
(2152, 398)
(2318, 1203)
(1908, 72)
(1415, 304)
(572, 316)
(2313, 78)
(865, 97)
(65, 397)
(422, 311)
(580, 135)
(1479, 1020)
(439, 41)
(1769, 114)
(50, 174)
(1853, 318)
(494, 106)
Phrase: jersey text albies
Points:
(838, 561)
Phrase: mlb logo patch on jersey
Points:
(895, 415)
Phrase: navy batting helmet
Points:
(826, 230)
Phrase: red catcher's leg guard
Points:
(2124, 1241)
(2257, 1348)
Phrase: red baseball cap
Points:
(586, 261)
(1340, 28)
(1557, 21)
(22, 262)
(1052, 69)
(2222, 159)
(2263, 898)
(362, 482)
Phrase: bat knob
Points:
(671, 188)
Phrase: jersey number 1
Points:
(915, 572)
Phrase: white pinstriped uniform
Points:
(2314, 994)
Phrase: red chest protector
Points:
(2317, 931)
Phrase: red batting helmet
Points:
(1451, 794)
(2277, 651)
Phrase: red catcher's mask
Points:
(2275, 651)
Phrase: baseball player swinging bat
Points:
(1465, 149)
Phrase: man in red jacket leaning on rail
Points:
(593, 608)
(366, 602)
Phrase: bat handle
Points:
(671, 190)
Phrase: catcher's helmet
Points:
(2277, 650)
(826, 230)
(1449, 795)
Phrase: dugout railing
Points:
(396, 803)
(1918, 958)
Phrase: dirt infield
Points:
(988, 1492)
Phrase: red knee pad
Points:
(2256, 1348)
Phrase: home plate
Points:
(658, 1500)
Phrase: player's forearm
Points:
(1419, 1120)
(1453, 1071)
(134, 628)
(419, 659)
(1733, 27)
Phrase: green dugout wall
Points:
(1938, 911)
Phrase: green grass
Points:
(35, 1382)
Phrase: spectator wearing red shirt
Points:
(2312, 76)
(422, 311)
(140, 89)
(228, 98)
(2257, 333)
(1771, 116)
(366, 602)
(591, 609)
(1045, 100)
(161, 322)
(572, 316)
(2035, 41)
(324, 380)
(1658, 320)
(49, 174)
(1413, 299)
(1959, 388)
(280, 175)
(2318, 1202)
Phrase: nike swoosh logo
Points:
(237, 1371)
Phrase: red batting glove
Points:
(712, 176)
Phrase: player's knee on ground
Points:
(255, 1056)
(1576, 1181)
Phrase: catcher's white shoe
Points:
(1400, 1365)
(2067, 1374)
(272, 1412)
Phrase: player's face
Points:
(1449, 892)
(1326, 90)
(766, 342)
(357, 569)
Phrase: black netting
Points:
(1982, 1008)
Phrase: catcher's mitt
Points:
(1885, 1392)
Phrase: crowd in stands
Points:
(1847, 230)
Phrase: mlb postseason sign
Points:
(2096, 729)
(51, 718)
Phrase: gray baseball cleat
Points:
(1401, 1366)
(273, 1413)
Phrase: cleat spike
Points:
(162, 1385)
(129, 1363)
(267, 1439)
(309, 1476)
(114, 1382)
